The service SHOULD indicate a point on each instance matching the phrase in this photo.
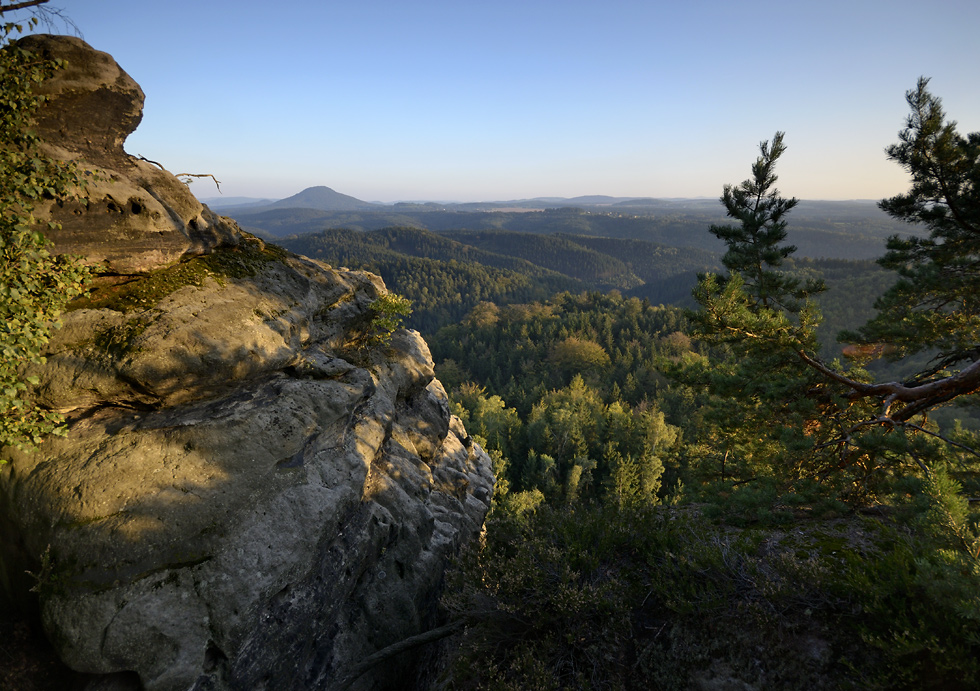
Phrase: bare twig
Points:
(144, 158)
(21, 5)
(48, 16)
(217, 182)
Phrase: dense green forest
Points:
(634, 501)
(623, 526)
(569, 390)
(585, 352)
(715, 495)
(447, 275)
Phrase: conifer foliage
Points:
(763, 319)
(833, 419)
(754, 245)
(936, 302)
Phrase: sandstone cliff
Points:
(249, 496)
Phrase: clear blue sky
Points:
(475, 100)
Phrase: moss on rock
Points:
(145, 291)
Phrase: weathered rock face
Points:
(248, 496)
(138, 217)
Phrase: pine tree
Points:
(774, 396)
(763, 392)
(936, 302)
(755, 246)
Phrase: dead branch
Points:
(21, 5)
(217, 182)
(144, 158)
(396, 648)
(181, 176)
(918, 398)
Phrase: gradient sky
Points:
(497, 99)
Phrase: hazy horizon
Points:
(439, 100)
(213, 196)
(210, 197)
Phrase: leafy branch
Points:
(35, 285)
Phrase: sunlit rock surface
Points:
(137, 216)
(249, 497)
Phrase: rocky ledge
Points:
(253, 493)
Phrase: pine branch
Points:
(918, 398)
(942, 438)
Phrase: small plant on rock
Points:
(388, 313)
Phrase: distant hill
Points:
(446, 275)
(444, 279)
(842, 230)
(216, 203)
(323, 199)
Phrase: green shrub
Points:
(660, 597)
(34, 285)
(388, 313)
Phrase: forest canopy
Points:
(599, 409)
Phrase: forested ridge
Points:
(636, 499)
(678, 488)
(443, 279)
(817, 233)
(447, 274)
(559, 253)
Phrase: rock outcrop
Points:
(251, 495)
(136, 217)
